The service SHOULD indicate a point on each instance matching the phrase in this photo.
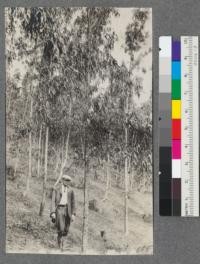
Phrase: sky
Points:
(119, 24)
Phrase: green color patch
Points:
(176, 89)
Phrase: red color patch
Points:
(176, 128)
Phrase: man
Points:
(63, 208)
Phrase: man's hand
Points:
(73, 218)
(53, 215)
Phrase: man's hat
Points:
(66, 177)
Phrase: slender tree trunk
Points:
(25, 109)
(39, 152)
(109, 172)
(57, 161)
(67, 145)
(86, 178)
(30, 151)
(18, 152)
(126, 172)
(65, 159)
(132, 178)
(63, 150)
(42, 155)
(107, 176)
(42, 205)
(85, 208)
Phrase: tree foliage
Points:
(67, 53)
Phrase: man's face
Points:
(65, 182)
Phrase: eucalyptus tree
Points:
(135, 39)
(16, 97)
(43, 29)
(92, 41)
(22, 92)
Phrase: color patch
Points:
(176, 188)
(176, 168)
(176, 149)
(176, 128)
(165, 66)
(165, 84)
(176, 70)
(165, 44)
(176, 109)
(176, 89)
(165, 152)
(176, 50)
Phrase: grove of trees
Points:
(74, 103)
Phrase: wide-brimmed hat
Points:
(66, 177)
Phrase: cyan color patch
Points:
(176, 70)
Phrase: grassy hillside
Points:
(28, 232)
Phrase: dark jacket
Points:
(56, 197)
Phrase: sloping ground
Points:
(27, 232)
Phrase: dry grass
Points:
(28, 232)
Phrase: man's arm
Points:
(73, 205)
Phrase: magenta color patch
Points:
(176, 149)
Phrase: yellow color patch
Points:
(176, 109)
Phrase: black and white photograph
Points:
(79, 130)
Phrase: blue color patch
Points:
(176, 70)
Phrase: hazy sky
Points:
(119, 25)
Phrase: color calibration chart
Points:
(179, 126)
